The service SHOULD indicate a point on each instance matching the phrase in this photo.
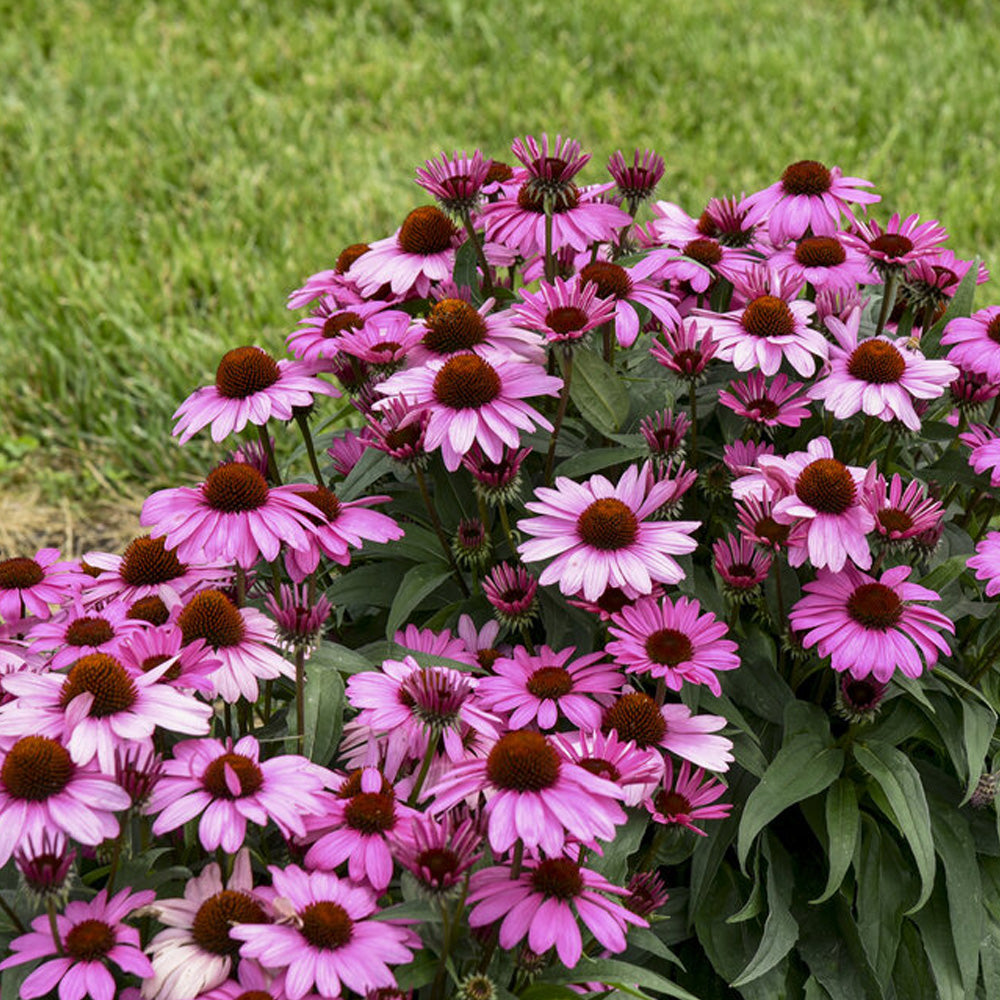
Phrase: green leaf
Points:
(12, 979)
(598, 392)
(419, 972)
(372, 466)
(646, 939)
(324, 711)
(933, 921)
(780, 929)
(613, 865)
(801, 769)
(333, 655)
(366, 586)
(548, 991)
(899, 781)
(419, 582)
(755, 901)
(960, 305)
(596, 459)
(466, 271)
(978, 726)
(842, 825)
(757, 686)
(623, 975)
(830, 945)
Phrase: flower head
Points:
(975, 342)
(901, 242)
(686, 797)
(986, 562)
(564, 311)
(456, 182)
(30, 584)
(638, 181)
(512, 591)
(768, 404)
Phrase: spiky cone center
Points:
(559, 878)
(453, 325)
(635, 716)
(875, 606)
(600, 767)
(477, 987)
(523, 761)
(20, 573)
(893, 245)
(669, 647)
(244, 371)
(498, 173)
(646, 894)
(248, 775)
(435, 696)
(349, 255)
(806, 177)
(612, 280)
(371, 812)
(613, 600)
(235, 488)
(550, 682)
(565, 320)
(607, 524)
(820, 251)
(326, 925)
(466, 382)
(532, 198)
(89, 941)
(218, 914)
(103, 677)
(149, 609)
(743, 571)
(771, 531)
(671, 803)
(212, 616)
(36, 768)
(352, 786)
(861, 695)
(324, 500)
(764, 408)
(254, 995)
(425, 231)
(704, 251)
(147, 562)
(826, 486)
(340, 323)
(894, 519)
(876, 361)
(768, 316)
(439, 866)
(89, 632)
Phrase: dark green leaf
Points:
(372, 465)
(757, 685)
(466, 271)
(419, 972)
(324, 711)
(960, 305)
(978, 726)
(615, 973)
(802, 768)
(598, 392)
(830, 945)
(367, 586)
(900, 783)
(842, 823)
(646, 939)
(419, 582)
(614, 863)
(331, 655)
(596, 459)
(934, 923)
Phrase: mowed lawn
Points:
(171, 170)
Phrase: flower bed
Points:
(636, 637)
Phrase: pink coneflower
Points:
(542, 688)
(822, 500)
(772, 326)
(513, 593)
(984, 445)
(600, 538)
(42, 789)
(434, 643)
(878, 376)
(564, 311)
(400, 431)
(604, 754)
(336, 526)
(137, 769)
(45, 864)
(298, 619)
(809, 196)
(625, 286)
(636, 716)
(346, 449)
(824, 262)
(239, 638)
(664, 433)
(840, 304)
(646, 893)
(686, 349)
(456, 182)
(97, 705)
(550, 170)
(383, 344)
(769, 404)
(331, 283)
(191, 666)
(672, 641)
(930, 281)
(868, 626)
(544, 903)
(28, 585)
(971, 389)
(533, 794)
(233, 516)
(329, 940)
(422, 250)
(148, 568)
(77, 632)
(480, 643)
(198, 950)
(679, 479)
(91, 935)
(901, 514)
(637, 182)
(975, 342)
(612, 600)
(440, 851)
(858, 700)
(318, 336)
(228, 785)
(250, 387)
(741, 566)
(687, 797)
(453, 326)
(901, 242)
(740, 457)
(986, 562)
(496, 482)
(722, 223)
(471, 400)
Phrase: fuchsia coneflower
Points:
(686, 797)
(29, 584)
(769, 404)
(513, 593)
(76, 632)
(825, 262)
(902, 513)
(685, 349)
(456, 181)
(975, 342)
(318, 337)
(440, 851)
(898, 244)
(637, 181)
(871, 626)
(564, 311)
(634, 769)
(741, 566)
(986, 562)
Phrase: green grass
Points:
(171, 170)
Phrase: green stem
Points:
(303, 422)
(866, 440)
(694, 422)
(505, 522)
(227, 715)
(12, 916)
(550, 260)
(516, 861)
(888, 298)
(560, 414)
(241, 586)
(439, 530)
(50, 905)
(272, 464)
(480, 256)
(425, 765)
(995, 412)
(116, 854)
(887, 454)
(300, 697)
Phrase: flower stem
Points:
(116, 854)
(995, 412)
(241, 586)
(50, 905)
(12, 916)
(888, 299)
(560, 414)
(550, 260)
(480, 256)
(505, 522)
(272, 464)
(516, 860)
(694, 422)
(300, 697)
(303, 422)
(425, 766)
(439, 530)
